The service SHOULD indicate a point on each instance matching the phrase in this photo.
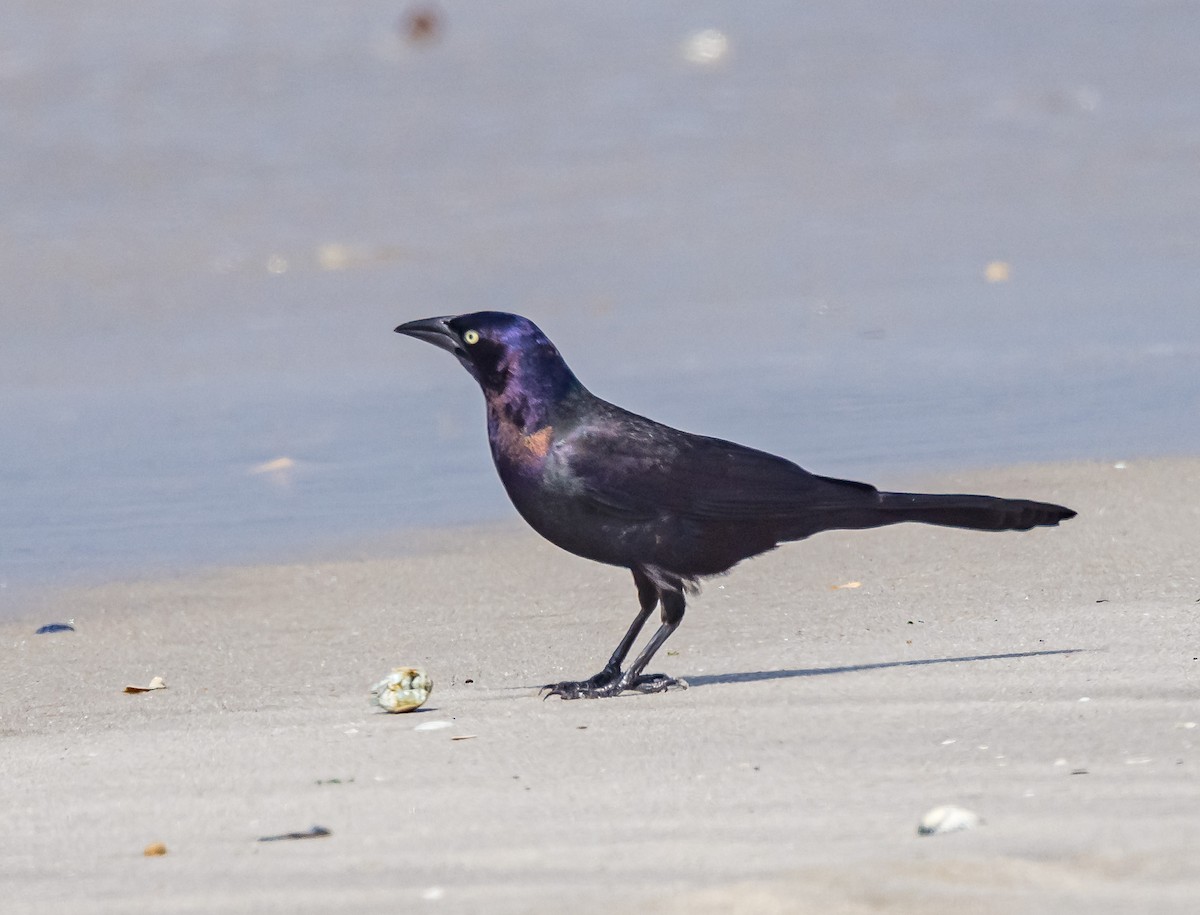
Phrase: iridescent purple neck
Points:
(529, 383)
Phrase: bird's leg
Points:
(673, 605)
(596, 686)
(611, 681)
(647, 600)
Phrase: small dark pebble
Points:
(468, 680)
(316, 832)
(55, 627)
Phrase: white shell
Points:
(947, 818)
(433, 725)
(403, 690)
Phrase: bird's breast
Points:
(514, 448)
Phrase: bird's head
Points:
(501, 351)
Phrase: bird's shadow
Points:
(751, 676)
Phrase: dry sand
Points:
(1047, 681)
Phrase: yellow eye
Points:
(471, 337)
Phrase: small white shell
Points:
(706, 47)
(403, 690)
(947, 818)
(435, 725)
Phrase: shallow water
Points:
(213, 214)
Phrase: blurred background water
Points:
(873, 237)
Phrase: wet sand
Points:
(1047, 681)
(871, 237)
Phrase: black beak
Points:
(433, 330)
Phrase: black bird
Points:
(671, 507)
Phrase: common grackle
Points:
(671, 507)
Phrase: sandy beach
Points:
(879, 239)
(1046, 681)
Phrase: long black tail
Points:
(831, 504)
(978, 513)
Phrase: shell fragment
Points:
(947, 818)
(403, 690)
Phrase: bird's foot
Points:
(578, 689)
(657, 683)
(610, 683)
(591, 688)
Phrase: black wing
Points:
(637, 469)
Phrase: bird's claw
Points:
(657, 683)
(577, 689)
(604, 686)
